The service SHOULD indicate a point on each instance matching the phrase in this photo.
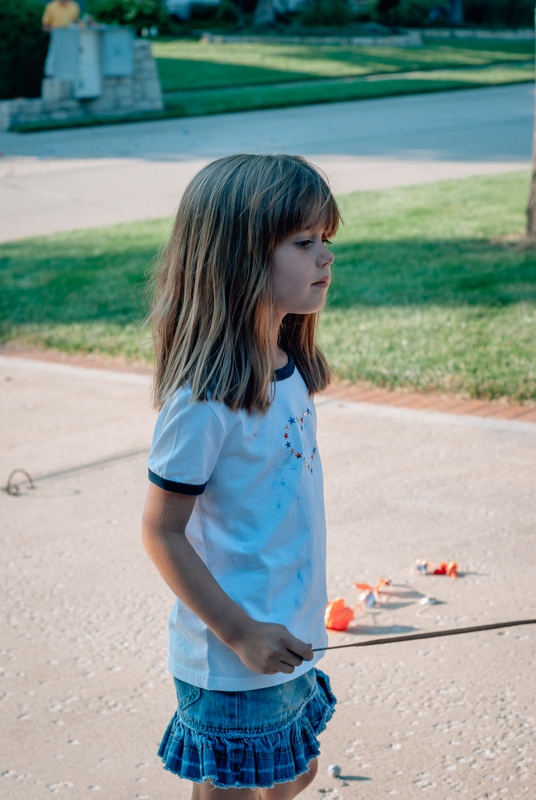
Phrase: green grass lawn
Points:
(429, 291)
(297, 93)
(187, 65)
(211, 78)
(248, 98)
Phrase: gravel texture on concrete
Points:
(85, 691)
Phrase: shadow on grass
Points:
(64, 280)
(79, 277)
(278, 61)
(446, 273)
(439, 314)
(178, 75)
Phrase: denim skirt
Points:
(247, 739)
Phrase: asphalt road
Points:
(87, 177)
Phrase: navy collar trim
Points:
(286, 371)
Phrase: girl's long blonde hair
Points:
(213, 305)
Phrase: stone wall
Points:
(408, 39)
(120, 96)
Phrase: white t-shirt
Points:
(258, 523)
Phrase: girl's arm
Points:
(263, 647)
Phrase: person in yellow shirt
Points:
(60, 14)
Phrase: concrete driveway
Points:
(85, 694)
(83, 178)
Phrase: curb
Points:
(491, 409)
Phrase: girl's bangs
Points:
(324, 213)
(311, 206)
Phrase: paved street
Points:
(82, 178)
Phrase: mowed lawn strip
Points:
(187, 65)
(201, 78)
(282, 95)
(249, 98)
(433, 289)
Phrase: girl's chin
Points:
(316, 304)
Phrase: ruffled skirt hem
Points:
(250, 760)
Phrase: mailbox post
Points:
(91, 72)
(84, 56)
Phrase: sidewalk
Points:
(84, 178)
(86, 693)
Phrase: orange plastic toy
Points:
(338, 615)
(366, 587)
(427, 568)
(450, 569)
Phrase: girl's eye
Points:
(326, 241)
(304, 243)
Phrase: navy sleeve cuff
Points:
(174, 486)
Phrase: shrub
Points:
(137, 14)
(325, 13)
(406, 13)
(381, 9)
(227, 12)
(223, 13)
(499, 13)
(489, 13)
(204, 12)
(23, 50)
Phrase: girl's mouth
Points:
(324, 283)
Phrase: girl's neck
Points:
(280, 357)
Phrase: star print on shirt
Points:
(301, 421)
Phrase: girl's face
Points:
(301, 272)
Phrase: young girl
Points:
(234, 518)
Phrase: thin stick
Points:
(431, 635)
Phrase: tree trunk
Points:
(531, 207)
(241, 22)
(264, 14)
(456, 12)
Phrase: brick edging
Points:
(432, 402)
(336, 391)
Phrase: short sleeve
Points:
(187, 441)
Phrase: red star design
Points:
(285, 436)
(298, 455)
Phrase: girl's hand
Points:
(264, 647)
(268, 648)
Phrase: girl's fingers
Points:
(294, 659)
(300, 649)
(270, 648)
(286, 668)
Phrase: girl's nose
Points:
(327, 257)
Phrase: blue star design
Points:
(288, 444)
(292, 420)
